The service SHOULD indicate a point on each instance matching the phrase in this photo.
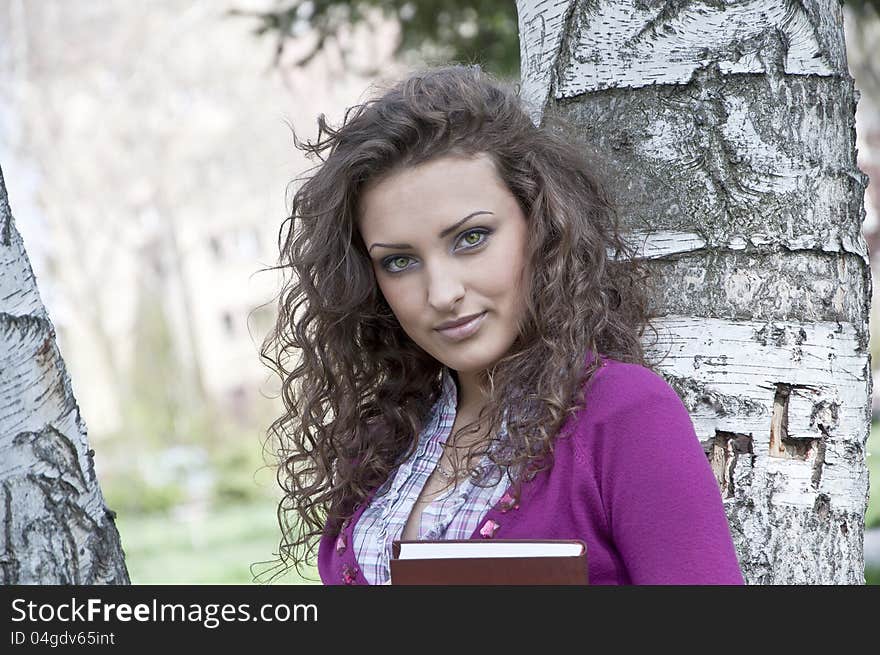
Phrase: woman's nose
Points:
(445, 289)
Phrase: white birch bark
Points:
(56, 527)
(727, 132)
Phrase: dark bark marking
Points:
(5, 215)
(52, 447)
(565, 51)
(726, 447)
(696, 395)
(822, 506)
(779, 421)
(26, 325)
(783, 446)
(9, 563)
(825, 415)
(669, 11)
(774, 334)
(819, 464)
(64, 522)
(713, 155)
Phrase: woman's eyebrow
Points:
(442, 234)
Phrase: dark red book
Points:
(489, 562)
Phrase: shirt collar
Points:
(442, 413)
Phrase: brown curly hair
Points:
(356, 390)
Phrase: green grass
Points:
(872, 516)
(215, 548)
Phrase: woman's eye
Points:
(395, 264)
(471, 239)
(474, 237)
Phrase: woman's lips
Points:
(460, 332)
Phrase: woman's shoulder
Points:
(626, 403)
(618, 383)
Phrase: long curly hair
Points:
(356, 389)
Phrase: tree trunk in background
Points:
(56, 527)
(728, 132)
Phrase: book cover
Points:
(495, 562)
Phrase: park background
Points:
(148, 154)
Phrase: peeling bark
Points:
(56, 527)
(727, 133)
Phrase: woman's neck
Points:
(471, 397)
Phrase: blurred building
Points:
(147, 155)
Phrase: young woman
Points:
(459, 348)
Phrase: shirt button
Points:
(349, 573)
(489, 529)
(508, 502)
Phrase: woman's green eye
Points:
(475, 237)
(399, 262)
(471, 239)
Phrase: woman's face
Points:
(448, 240)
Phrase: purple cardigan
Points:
(629, 478)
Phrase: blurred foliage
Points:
(133, 495)
(469, 31)
(151, 401)
(864, 7)
(241, 476)
(872, 516)
(228, 544)
(212, 469)
(160, 405)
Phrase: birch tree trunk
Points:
(729, 133)
(56, 527)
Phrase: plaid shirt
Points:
(455, 514)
